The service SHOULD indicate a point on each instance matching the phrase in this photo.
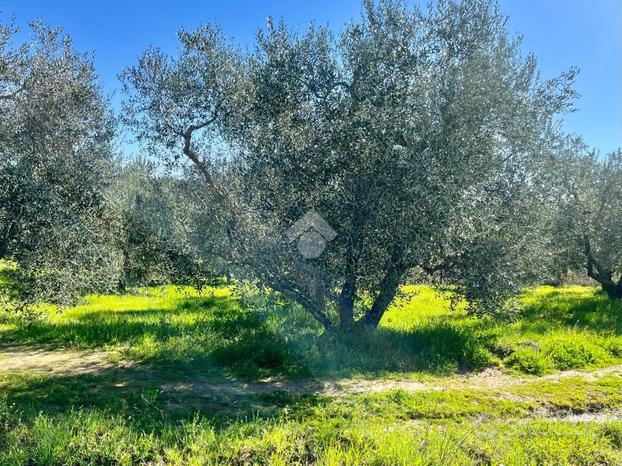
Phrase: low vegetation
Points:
(556, 329)
(167, 346)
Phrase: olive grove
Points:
(417, 145)
(419, 136)
(587, 231)
(72, 215)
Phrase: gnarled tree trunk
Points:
(603, 276)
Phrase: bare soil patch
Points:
(55, 362)
(489, 379)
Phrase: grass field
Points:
(177, 376)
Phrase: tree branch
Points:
(315, 308)
(196, 159)
(11, 95)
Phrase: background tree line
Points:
(73, 214)
(425, 138)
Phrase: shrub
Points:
(248, 346)
(614, 346)
(529, 360)
(574, 354)
(451, 346)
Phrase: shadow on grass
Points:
(436, 347)
(216, 337)
(96, 328)
(145, 397)
(560, 308)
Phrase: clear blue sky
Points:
(585, 33)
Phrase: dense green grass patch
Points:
(213, 333)
(135, 415)
(93, 419)
(383, 429)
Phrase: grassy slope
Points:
(175, 334)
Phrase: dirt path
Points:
(197, 389)
(56, 362)
(489, 379)
(67, 362)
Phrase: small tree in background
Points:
(158, 215)
(418, 136)
(588, 232)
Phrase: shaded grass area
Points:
(95, 420)
(212, 333)
(152, 396)
(124, 415)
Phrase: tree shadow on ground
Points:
(100, 327)
(146, 396)
(215, 336)
(571, 310)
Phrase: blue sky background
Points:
(562, 33)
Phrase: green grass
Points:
(127, 415)
(465, 427)
(210, 332)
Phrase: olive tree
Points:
(589, 216)
(417, 136)
(56, 159)
(158, 217)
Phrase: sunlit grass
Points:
(556, 329)
(172, 334)
(387, 429)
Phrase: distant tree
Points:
(418, 136)
(157, 217)
(588, 228)
(56, 160)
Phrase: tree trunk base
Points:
(613, 292)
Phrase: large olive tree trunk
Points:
(602, 275)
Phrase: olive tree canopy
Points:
(588, 233)
(416, 135)
(56, 159)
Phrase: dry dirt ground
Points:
(56, 362)
(494, 381)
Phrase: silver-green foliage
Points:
(418, 135)
(56, 159)
(588, 227)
